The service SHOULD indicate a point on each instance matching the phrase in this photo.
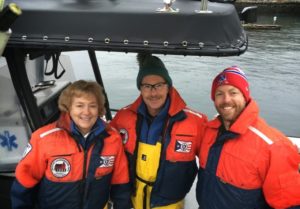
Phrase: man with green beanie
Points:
(161, 136)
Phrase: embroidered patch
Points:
(106, 161)
(28, 148)
(124, 135)
(60, 167)
(183, 146)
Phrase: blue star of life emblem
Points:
(8, 141)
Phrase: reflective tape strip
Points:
(261, 135)
(194, 113)
(49, 132)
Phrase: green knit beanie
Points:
(151, 65)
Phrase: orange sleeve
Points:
(282, 184)
(32, 166)
(114, 121)
(201, 129)
(120, 173)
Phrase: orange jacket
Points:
(250, 163)
(178, 167)
(69, 176)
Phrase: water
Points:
(272, 65)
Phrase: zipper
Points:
(83, 180)
(84, 183)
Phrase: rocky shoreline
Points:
(269, 1)
(271, 6)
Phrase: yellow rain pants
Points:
(147, 163)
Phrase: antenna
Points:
(203, 7)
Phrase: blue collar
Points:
(98, 127)
(152, 127)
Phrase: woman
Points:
(75, 162)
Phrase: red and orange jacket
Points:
(57, 172)
(178, 166)
(251, 165)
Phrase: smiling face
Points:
(84, 111)
(154, 98)
(229, 102)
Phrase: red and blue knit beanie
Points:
(231, 76)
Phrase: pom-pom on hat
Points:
(151, 65)
(231, 76)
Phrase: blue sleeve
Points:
(21, 197)
(120, 196)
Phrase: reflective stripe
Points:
(49, 132)
(128, 106)
(295, 141)
(194, 113)
(261, 135)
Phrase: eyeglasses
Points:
(148, 87)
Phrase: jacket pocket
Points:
(64, 168)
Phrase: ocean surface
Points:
(271, 63)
